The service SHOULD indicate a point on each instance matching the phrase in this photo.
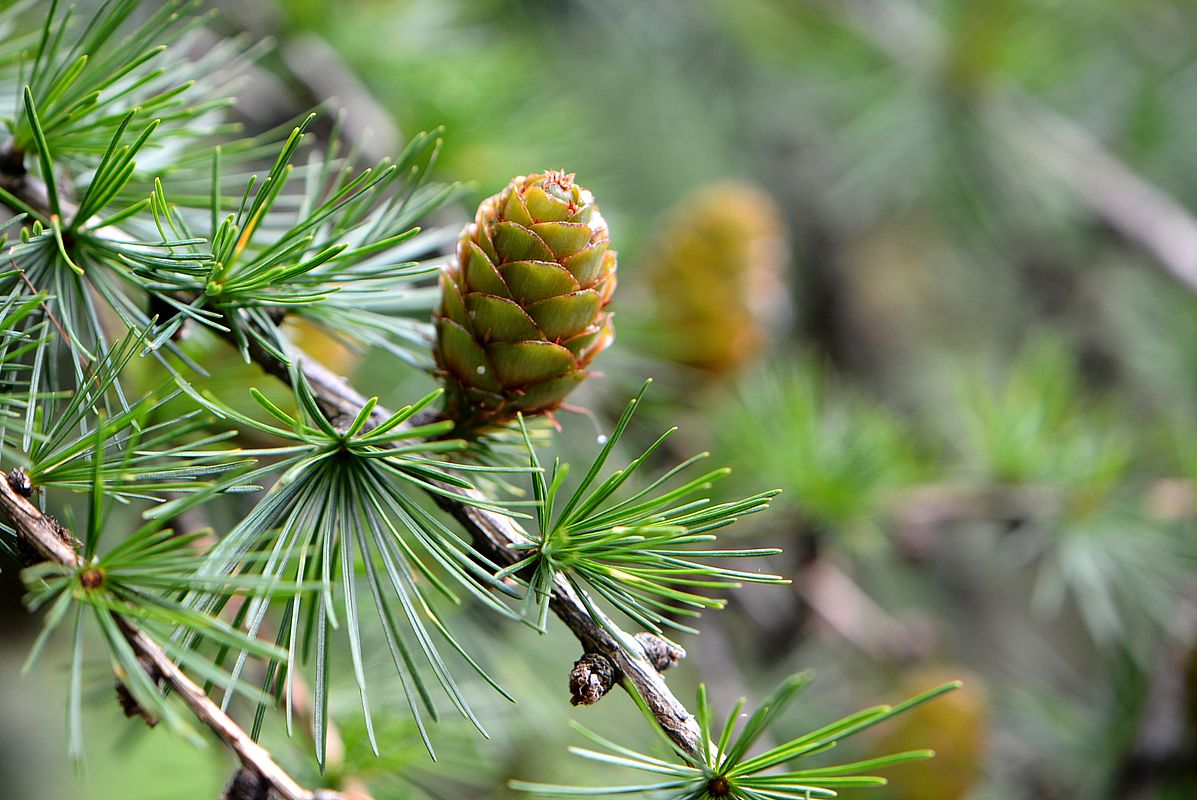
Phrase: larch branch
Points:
(51, 541)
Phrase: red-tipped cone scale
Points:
(523, 306)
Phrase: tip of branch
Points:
(661, 653)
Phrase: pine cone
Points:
(523, 305)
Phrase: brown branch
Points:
(51, 541)
(845, 608)
(494, 536)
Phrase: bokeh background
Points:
(928, 267)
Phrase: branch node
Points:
(18, 479)
(248, 784)
(129, 704)
(661, 653)
(131, 707)
(591, 678)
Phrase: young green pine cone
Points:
(523, 305)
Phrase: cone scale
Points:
(523, 304)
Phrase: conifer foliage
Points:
(139, 221)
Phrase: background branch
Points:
(1141, 212)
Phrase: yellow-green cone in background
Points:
(956, 727)
(717, 272)
(523, 307)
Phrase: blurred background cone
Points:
(717, 271)
(955, 726)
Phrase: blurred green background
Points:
(929, 267)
